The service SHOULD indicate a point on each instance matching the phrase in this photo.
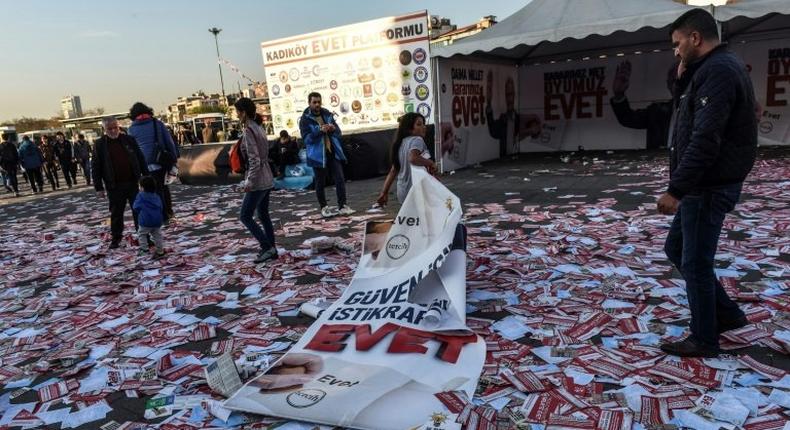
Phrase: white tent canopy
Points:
(582, 26)
(753, 17)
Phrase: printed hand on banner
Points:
(293, 371)
(622, 78)
(448, 137)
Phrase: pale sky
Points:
(114, 53)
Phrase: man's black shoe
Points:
(689, 348)
(115, 244)
(733, 324)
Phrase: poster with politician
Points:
(478, 110)
(768, 63)
(572, 100)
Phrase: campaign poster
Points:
(395, 344)
(368, 74)
(479, 112)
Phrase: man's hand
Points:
(622, 78)
(101, 194)
(667, 204)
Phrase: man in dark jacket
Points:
(654, 118)
(82, 153)
(9, 163)
(117, 166)
(284, 152)
(64, 150)
(714, 145)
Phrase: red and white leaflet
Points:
(538, 407)
(524, 381)
(654, 411)
(565, 422)
(763, 369)
(615, 420)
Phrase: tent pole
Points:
(531, 50)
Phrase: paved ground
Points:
(77, 218)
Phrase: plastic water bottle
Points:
(172, 176)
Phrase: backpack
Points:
(237, 162)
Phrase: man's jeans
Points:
(691, 247)
(335, 168)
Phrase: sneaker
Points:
(328, 211)
(269, 254)
(16, 194)
(115, 244)
(159, 254)
(345, 210)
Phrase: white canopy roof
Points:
(753, 17)
(580, 23)
(586, 26)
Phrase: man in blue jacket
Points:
(714, 145)
(321, 137)
(156, 143)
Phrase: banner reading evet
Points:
(397, 337)
(368, 73)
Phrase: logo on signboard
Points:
(766, 127)
(420, 74)
(293, 74)
(405, 57)
(334, 100)
(305, 398)
(276, 90)
(424, 110)
(422, 92)
(419, 56)
(408, 107)
(397, 246)
(405, 89)
(283, 76)
(333, 84)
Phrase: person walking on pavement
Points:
(714, 146)
(159, 150)
(64, 151)
(117, 165)
(258, 181)
(31, 159)
(50, 164)
(9, 163)
(321, 136)
(82, 153)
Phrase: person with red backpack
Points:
(258, 181)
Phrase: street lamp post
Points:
(215, 31)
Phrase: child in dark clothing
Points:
(148, 206)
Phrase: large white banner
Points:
(368, 74)
(478, 107)
(769, 66)
(572, 101)
(397, 337)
